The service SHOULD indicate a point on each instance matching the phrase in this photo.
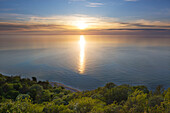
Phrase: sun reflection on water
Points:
(82, 43)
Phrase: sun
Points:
(81, 25)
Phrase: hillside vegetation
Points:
(22, 95)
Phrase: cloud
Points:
(76, 0)
(67, 23)
(131, 0)
(5, 26)
(94, 4)
(137, 29)
(6, 9)
(70, 1)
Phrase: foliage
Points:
(136, 101)
(22, 95)
(85, 105)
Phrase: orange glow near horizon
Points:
(82, 44)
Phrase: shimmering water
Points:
(86, 62)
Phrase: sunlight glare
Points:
(82, 54)
(82, 41)
(81, 25)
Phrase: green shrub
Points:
(17, 86)
(22, 96)
(52, 108)
(12, 94)
(113, 108)
(85, 105)
(7, 87)
(136, 102)
(155, 100)
(117, 94)
(110, 85)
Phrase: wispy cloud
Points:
(67, 23)
(131, 0)
(4, 26)
(6, 9)
(94, 4)
(70, 1)
(77, 0)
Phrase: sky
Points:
(85, 17)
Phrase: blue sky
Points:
(156, 12)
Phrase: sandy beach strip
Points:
(66, 87)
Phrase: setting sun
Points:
(81, 25)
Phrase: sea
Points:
(86, 62)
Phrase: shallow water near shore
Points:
(86, 62)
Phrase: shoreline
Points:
(51, 83)
(65, 86)
(70, 88)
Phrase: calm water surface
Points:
(86, 62)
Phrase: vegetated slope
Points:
(22, 95)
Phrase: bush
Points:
(136, 102)
(36, 87)
(113, 108)
(45, 96)
(20, 106)
(85, 105)
(12, 94)
(17, 86)
(36, 92)
(110, 85)
(7, 87)
(117, 94)
(155, 100)
(52, 108)
(141, 88)
(22, 96)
